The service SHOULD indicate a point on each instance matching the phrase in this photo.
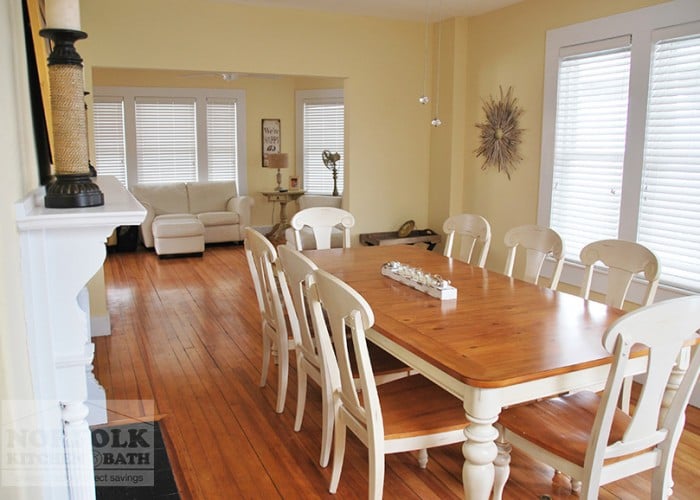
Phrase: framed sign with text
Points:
(271, 137)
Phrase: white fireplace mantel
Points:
(61, 249)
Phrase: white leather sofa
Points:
(182, 216)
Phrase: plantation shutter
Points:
(222, 144)
(670, 198)
(589, 142)
(110, 147)
(323, 129)
(166, 140)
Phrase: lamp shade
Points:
(275, 160)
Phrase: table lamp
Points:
(278, 161)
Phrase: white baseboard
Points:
(263, 229)
(100, 326)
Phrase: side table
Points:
(276, 235)
(428, 236)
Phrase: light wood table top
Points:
(501, 342)
(499, 331)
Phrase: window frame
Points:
(333, 96)
(200, 95)
(639, 24)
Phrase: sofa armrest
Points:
(242, 206)
(146, 225)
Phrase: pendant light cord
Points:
(425, 47)
(437, 77)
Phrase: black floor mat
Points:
(131, 463)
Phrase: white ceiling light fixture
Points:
(228, 76)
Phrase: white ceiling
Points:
(394, 9)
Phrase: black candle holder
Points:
(71, 187)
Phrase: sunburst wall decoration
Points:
(500, 134)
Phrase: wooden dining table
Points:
(501, 342)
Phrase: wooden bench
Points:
(428, 236)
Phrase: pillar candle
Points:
(64, 14)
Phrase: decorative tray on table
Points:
(431, 284)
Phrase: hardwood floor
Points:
(185, 348)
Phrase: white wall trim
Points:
(100, 326)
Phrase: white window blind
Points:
(222, 146)
(589, 145)
(669, 216)
(110, 148)
(323, 123)
(166, 140)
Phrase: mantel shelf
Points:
(120, 209)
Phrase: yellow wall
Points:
(506, 48)
(387, 131)
(398, 166)
(20, 175)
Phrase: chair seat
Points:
(562, 425)
(433, 410)
(383, 363)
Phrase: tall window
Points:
(669, 212)
(170, 135)
(166, 140)
(621, 128)
(589, 145)
(110, 149)
(321, 116)
(222, 143)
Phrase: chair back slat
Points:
(539, 242)
(262, 261)
(474, 232)
(298, 274)
(348, 316)
(624, 260)
(322, 220)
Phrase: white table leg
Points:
(479, 449)
(501, 464)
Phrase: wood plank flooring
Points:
(185, 348)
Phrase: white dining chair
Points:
(474, 233)
(538, 242)
(587, 437)
(262, 261)
(296, 275)
(322, 221)
(624, 260)
(407, 414)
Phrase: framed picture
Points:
(271, 137)
(294, 183)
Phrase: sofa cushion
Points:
(218, 218)
(177, 226)
(210, 196)
(168, 198)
